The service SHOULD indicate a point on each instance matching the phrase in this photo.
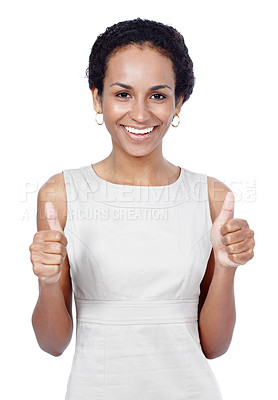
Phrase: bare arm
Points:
(52, 316)
(217, 315)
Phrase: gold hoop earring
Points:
(96, 118)
(178, 121)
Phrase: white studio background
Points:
(227, 131)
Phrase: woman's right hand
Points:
(48, 250)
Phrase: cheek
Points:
(164, 113)
(114, 110)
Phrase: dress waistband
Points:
(126, 312)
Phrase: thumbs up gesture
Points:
(48, 249)
(232, 239)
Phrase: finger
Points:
(55, 248)
(52, 259)
(241, 247)
(52, 217)
(233, 237)
(227, 209)
(233, 225)
(44, 270)
(50, 236)
(242, 258)
(56, 236)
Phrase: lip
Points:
(139, 138)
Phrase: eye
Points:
(158, 96)
(123, 95)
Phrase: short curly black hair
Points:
(166, 39)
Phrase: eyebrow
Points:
(157, 87)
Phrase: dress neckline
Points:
(141, 187)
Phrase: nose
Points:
(139, 111)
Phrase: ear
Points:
(96, 100)
(178, 105)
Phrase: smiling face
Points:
(138, 99)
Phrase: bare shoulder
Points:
(217, 191)
(53, 190)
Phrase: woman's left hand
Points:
(232, 239)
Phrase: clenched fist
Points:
(48, 249)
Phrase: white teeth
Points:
(139, 131)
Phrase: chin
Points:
(138, 152)
(135, 150)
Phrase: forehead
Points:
(144, 65)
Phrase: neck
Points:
(152, 169)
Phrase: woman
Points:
(150, 249)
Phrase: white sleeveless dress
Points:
(137, 256)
